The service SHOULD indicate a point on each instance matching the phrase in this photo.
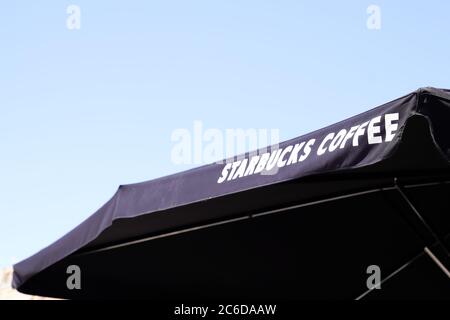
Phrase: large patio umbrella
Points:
(308, 218)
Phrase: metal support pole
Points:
(439, 255)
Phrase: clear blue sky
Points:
(83, 111)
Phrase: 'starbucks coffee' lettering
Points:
(377, 130)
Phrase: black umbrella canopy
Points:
(303, 219)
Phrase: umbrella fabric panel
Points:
(321, 251)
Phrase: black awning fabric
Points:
(302, 219)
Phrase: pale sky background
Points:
(83, 111)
